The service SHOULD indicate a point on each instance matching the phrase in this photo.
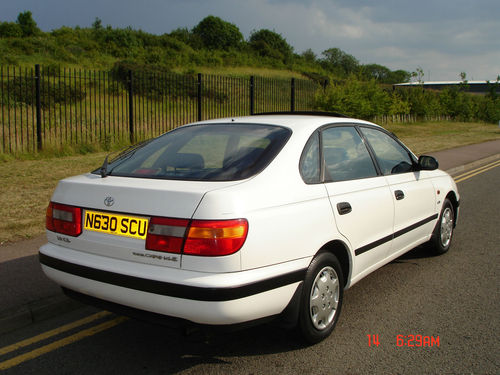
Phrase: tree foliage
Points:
(216, 33)
(27, 23)
(367, 99)
(10, 30)
(340, 62)
(213, 42)
(269, 43)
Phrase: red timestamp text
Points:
(417, 341)
(410, 341)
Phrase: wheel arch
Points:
(452, 197)
(341, 251)
(290, 315)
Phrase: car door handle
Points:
(344, 208)
(399, 195)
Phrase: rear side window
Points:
(309, 162)
(211, 152)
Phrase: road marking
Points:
(56, 331)
(62, 342)
(476, 171)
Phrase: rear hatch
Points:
(116, 211)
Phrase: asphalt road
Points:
(454, 297)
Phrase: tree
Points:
(309, 56)
(378, 72)
(418, 75)
(27, 23)
(399, 76)
(464, 85)
(216, 33)
(384, 75)
(339, 62)
(271, 44)
(97, 24)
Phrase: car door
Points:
(360, 197)
(413, 194)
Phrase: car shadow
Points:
(419, 252)
(180, 352)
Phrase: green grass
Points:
(247, 71)
(26, 189)
(422, 137)
(27, 183)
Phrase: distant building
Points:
(476, 87)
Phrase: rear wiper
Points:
(128, 152)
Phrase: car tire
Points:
(322, 296)
(443, 232)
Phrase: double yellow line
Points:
(59, 343)
(474, 172)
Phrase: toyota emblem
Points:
(109, 201)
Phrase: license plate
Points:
(119, 225)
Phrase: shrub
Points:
(10, 30)
(355, 98)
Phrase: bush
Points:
(10, 30)
(355, 98)
(368, 99)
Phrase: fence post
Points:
(38, 108)
(199, 96)
(292, 95)
(252, 95)
(130, 107)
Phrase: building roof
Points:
(444, 83)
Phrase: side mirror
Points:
(427, 163)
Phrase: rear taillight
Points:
(200, 237)
(166, 234)
(61, 218)
(215, 237)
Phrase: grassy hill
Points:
(214, 46)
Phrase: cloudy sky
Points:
(443, 37)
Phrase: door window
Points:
(391, 156)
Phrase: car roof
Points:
(295, 122)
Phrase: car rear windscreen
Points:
(209, 152)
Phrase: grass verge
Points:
(26, 185)
(422, 137)
(26, 189)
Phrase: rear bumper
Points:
(204, 298)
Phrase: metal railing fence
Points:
(42, 107)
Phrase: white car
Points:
(234, 221)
